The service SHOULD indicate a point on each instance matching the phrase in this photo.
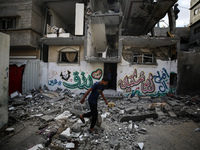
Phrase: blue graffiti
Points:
(54, 82)
(162, 78)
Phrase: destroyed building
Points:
(23, 20)
(77, 42)
(188, 64)
(72, 44)
(96, 38)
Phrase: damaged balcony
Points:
(65, 22)
(144, 50)
(140, 16)
(102, 32)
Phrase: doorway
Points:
(110, 70)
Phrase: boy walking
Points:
(96, 89)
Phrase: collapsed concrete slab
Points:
(138, 117)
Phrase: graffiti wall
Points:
(145, 80)
(73, 78)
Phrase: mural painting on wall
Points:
(83, 82)
(148, 86)
(162, 78)
(97, 74)
(53, 81)
(65, 76)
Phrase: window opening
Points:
(69, 55)
(7, 23)
(143, 58)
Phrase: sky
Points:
(183, 16)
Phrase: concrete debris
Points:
(36, 147)
(70, 145)
(66, 135)
(15, 94)
(64, 115)
(141, 145)
(118, 126)
(10, 130)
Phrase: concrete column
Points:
(4, 77)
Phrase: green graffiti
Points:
(157, 94)
(80, 83)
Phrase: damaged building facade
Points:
(72, 44)
(188, 60)
(23, 20)
(111, 38)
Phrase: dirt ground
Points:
(171, 137)
(159, 137)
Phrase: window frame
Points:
(141, 59)
(8, 21)
(68, 50)
(196, 11)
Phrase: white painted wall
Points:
(51, 75)
(155, 80)
(151, 80)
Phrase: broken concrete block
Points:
(70, 145)
(142, 131)
(76, 112)
(76, 127)
(114, 143)
(172, 103)
(47, 118)
(150, 121)
(104, 115)
(160, 114)
(141, 145)
(145, 97)
(76, 134)
(57, 99)
(64, 115)
(66, 135)
(172, 114)
(121, 112)
(10, 130)
(136, 127)
(130, 126)
(135, 98)
(29, 96)
(11, 108)
(53, 111)
(138, 117)
(15, 94)
(36, 147)
(129, 110)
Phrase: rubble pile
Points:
(118, 126)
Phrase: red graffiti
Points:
(148, 86)
(128, 82)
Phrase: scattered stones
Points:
(9, 130)
(36, 147)
(141, 145)
(118, 126)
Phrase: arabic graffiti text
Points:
(147, 86)
(79, 82)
